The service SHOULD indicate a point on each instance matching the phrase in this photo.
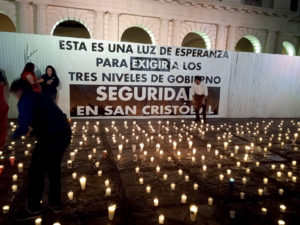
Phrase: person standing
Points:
(49, 82)
(53, 135)
(3, 110)
(200, 94)
(29, 76)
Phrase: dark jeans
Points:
(46, 159)
(203, 113)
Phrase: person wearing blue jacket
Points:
(53, 133)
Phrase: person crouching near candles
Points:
(53, 135)
(200, 94)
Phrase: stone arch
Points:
(288, 49)
(253, 41)
(70, 20)
(6, 24)
(56, 15)
(148, 36)
(9, 9)
(206, 31)
(149, 24)
(196, 40)
(256, 37)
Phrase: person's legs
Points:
(36, 175)
(204, 112)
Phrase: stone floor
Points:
(267, 149)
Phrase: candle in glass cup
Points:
(294, 179)
(14, 188)
(260, 191)
(165, 176)
(186, 178)
(38, 221)
(12, 160)
(180, 172)
(161, 219)
(282, 208)
(106, 182)
(120, 147)
(265, 180)
(157, 169)
(196, 186)
(20, 167)
(173, 185)
(148, 189)
(281, 222)
(5, 209)
(111, 211)
(190, 144)
(15, 177)
(183, 199)
(210, 201)
(108, 191)
(280, 191)
(70, 195)
(221, 177)
(69, 163)
(82, 182)
(242, 195)
(225, 145)
(141, 181)
(155, 201)
(193, 212)
(137, 169)
(264, 210)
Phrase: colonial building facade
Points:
(270, 26)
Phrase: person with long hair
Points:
(53, 134)
(49, 82)
(29, 76)
(3, 110)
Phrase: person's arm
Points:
(25, 108)
(30, 79)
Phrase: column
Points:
(175, 33)
(99, 25)
(278, 42)
(231, 36)
(164, 31)
(24, 17)
(41, 18)
(114, 29)
(220, 39)
(271, 42)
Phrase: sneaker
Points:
(55, 209)
(25, 215)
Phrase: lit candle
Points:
(282, 208)
(90, 156)
(5, 209)
(294, 162)
(69, 163)
(20, 167)
(141, 180)
(225, 145)
(238, 164)
(204, 167)
(38, 221)
(106, 182)
(165, 176)
(72, 156)
(281, 222)
(260, 191)
(210, 201)
(190, 144)
(120, 147)
(264, 210)
(280, 191)
(15, 177)
(14, 188)
(157, 169)
(265, 180)
(174, 145)
(118, 157)
(180, 172)
(148, 189)
(186, 178)
(173, 185)
(193, 212)
(155, 202)
(228, 171)
(108, 191)
(70, 195)
(278, 174)
(183, 199)
(196, 186)
(247, 170)
(273, 167)
(152, 159)
(97, 164)
(111, 211)
(137, 169)
(294, 179)
(161, 219)
(12, 160)
(82, 182)
(221, 176)
(208, 146)
(242, 195)
(74, 175)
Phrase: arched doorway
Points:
(288, 49)
(196, 40)
(6, 24)
(248, 43)
(137, 35)
(71, 28)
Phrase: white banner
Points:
(101, 79)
